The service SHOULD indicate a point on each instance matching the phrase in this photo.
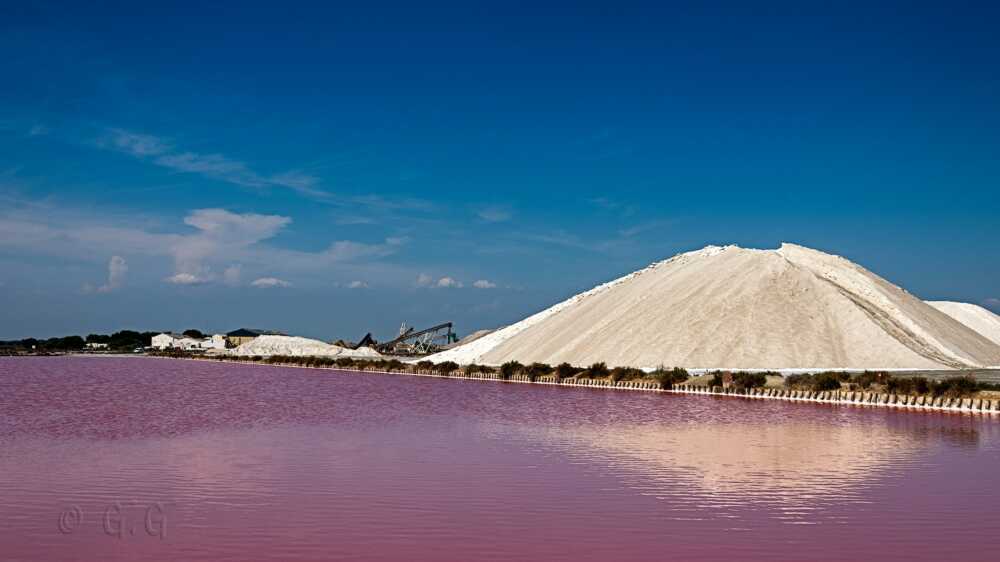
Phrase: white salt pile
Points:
(973, 316)
(265, 346)
(729, 307)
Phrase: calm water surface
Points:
(158, 459)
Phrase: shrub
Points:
(744, 381)
(797, 381)
(956, 387)
(868, 378)
(395, 365)
(509, 369)
(472, 368)
(598, 371)
(826, 381)
(626, 374)
(536, 370)
(716, 379)
(344, 362)
(668, 378)
(425, 365)
(445, 368)
(565, 371)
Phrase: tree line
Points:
(123, 340)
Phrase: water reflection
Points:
(796, 466)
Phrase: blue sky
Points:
(333, 168)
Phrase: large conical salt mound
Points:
(973, 316)
(729, 307)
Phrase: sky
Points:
(330, 169)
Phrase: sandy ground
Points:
(730, 307)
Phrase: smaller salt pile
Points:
(973, 316)
(294, 346)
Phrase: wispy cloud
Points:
(494, 213)
(357, 285)
(353, 220)
(623, 208)
(162, 152)
(993, 303)
(38, 130)
(640, 228)
(484, 284)
(556, 238)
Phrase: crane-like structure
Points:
(418, 342)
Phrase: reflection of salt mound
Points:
(782, 461)
(738, 308)
(973, 316)
(296, 346)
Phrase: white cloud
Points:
(484, 284)
(357, 285)
(186, 279)
(270, 282)
(220, 233)
(447, 283)
(215, 166)
(214, 241)
(38, 130)
(992, 303)
(117, 268)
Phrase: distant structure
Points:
(417, 342)
(170, 340)
(95, 346)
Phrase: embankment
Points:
(847, 398)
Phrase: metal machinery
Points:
(418, 342)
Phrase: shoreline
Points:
(839, 397)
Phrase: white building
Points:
(165, 340)
(96, 345)
(187, 344)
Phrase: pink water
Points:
(156, 459)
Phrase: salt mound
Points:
(973, 316)
(296, 346)
(729, 307)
